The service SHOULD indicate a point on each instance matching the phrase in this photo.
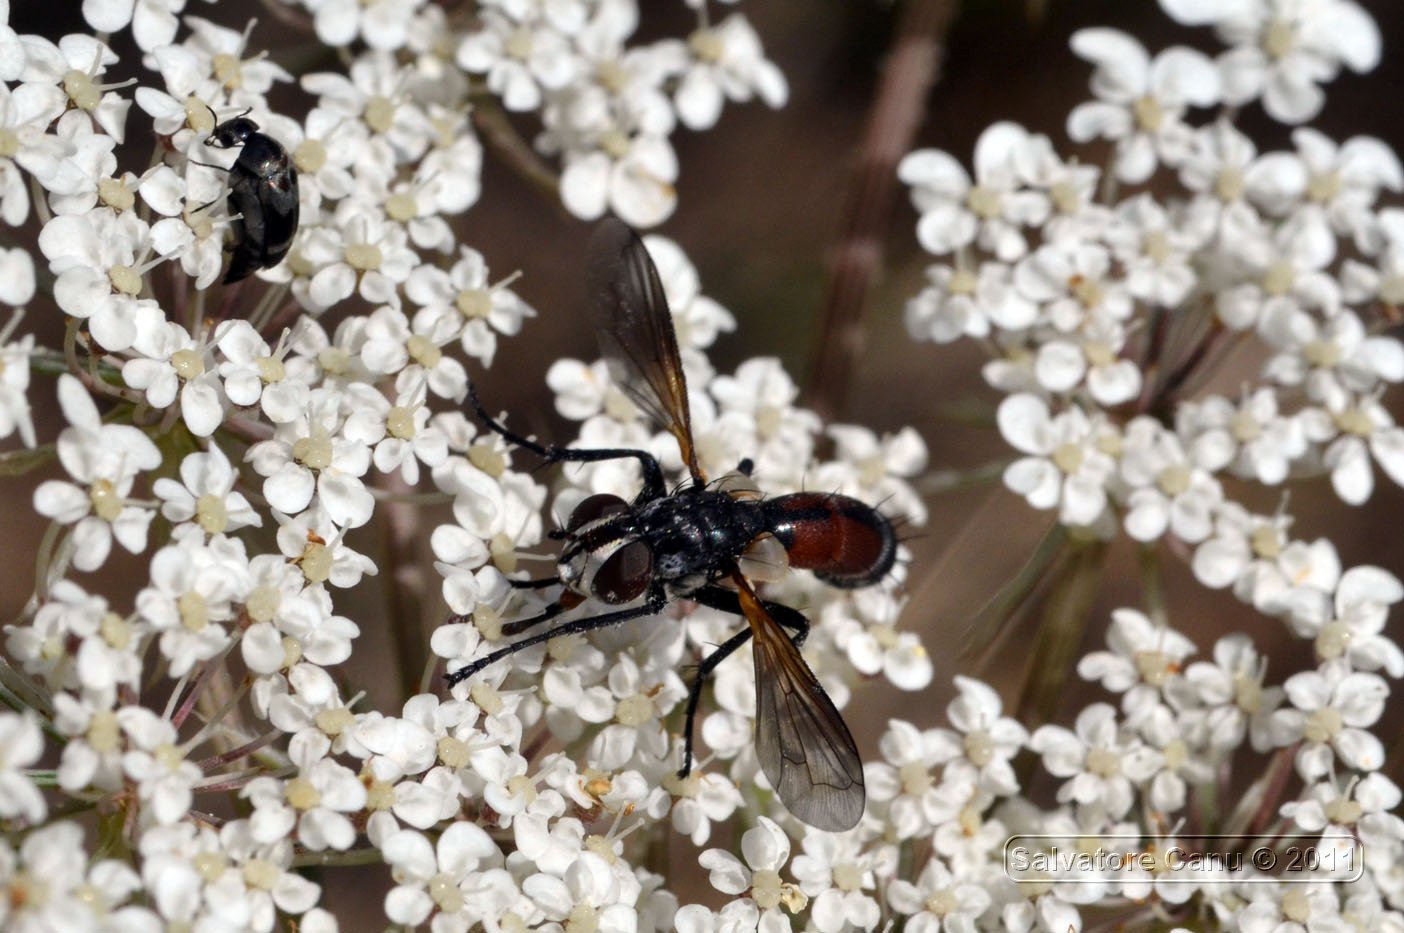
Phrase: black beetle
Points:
(262, 197)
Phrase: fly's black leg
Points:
(533, 584)
(694, 693)
(657, 599)
(521, 625)
(654, 487)
(723, 600)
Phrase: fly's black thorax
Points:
(682, 541)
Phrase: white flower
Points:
(1361, 604)
(959, 303)
(1283, 49)
(96, 258)
(1168, 492)
(312, 456)
(479, 309)
(313, 803)
(766, 849)
(1100, 761)
(445, 877)
(1252, 438)
(631, 174)
(165, 778)
(1142, 100)
(838, 876)
(254, 374)
(991, 208)
(1065, 466)
(174, 362)
(1333, 707)
(192, 591)
(21, 744)
(1230, 688)
(727, 61)
(205, 494)
(521, 53)
(938, 900)
(14, 370)
(54, 884)
(1357, 429)
(104, 459)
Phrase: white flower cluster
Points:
(241, 446)
(183, 755)
(1103, 298)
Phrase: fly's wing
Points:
(635, 331)
(804, 747)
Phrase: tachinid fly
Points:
(704, 542)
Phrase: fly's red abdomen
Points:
(845, 542)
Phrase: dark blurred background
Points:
(760, 201)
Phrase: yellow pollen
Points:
(1333, 640)
(104, 734)
(261, 874)
(263, 602)
(423, 351)
(1174, 480)
(1266, 542)
(313, 452)
(1229, 185)
(1343, 811)
(211, 514)
(453, 752)
(125, 280)
(107, 503)
(474, 303)
(983, 202)
(1279, 39)
(114, 193)
(116, 631)
(401, 207)
(706, 45)
(334, 360)
(519, 44)
(316, 562)
(363, 257)
(1354, 421)
(1323, 725)
(210, 865)
(979, 748)
(310, 156)
(635, 710)
(333, 722)
(1149, 114)
(188, 364)
(9, 143)
(270, 369)
(380, 114)
(302, 794)
(1247, 693)
(1103, 762)
(228, 69)
(445, 894)
(81, 90)
(1068, 457)
(1156, 246)
(399, 422)
(194, 612)
(1279, 278)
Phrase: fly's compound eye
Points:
(625, 574)
(600, 505)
